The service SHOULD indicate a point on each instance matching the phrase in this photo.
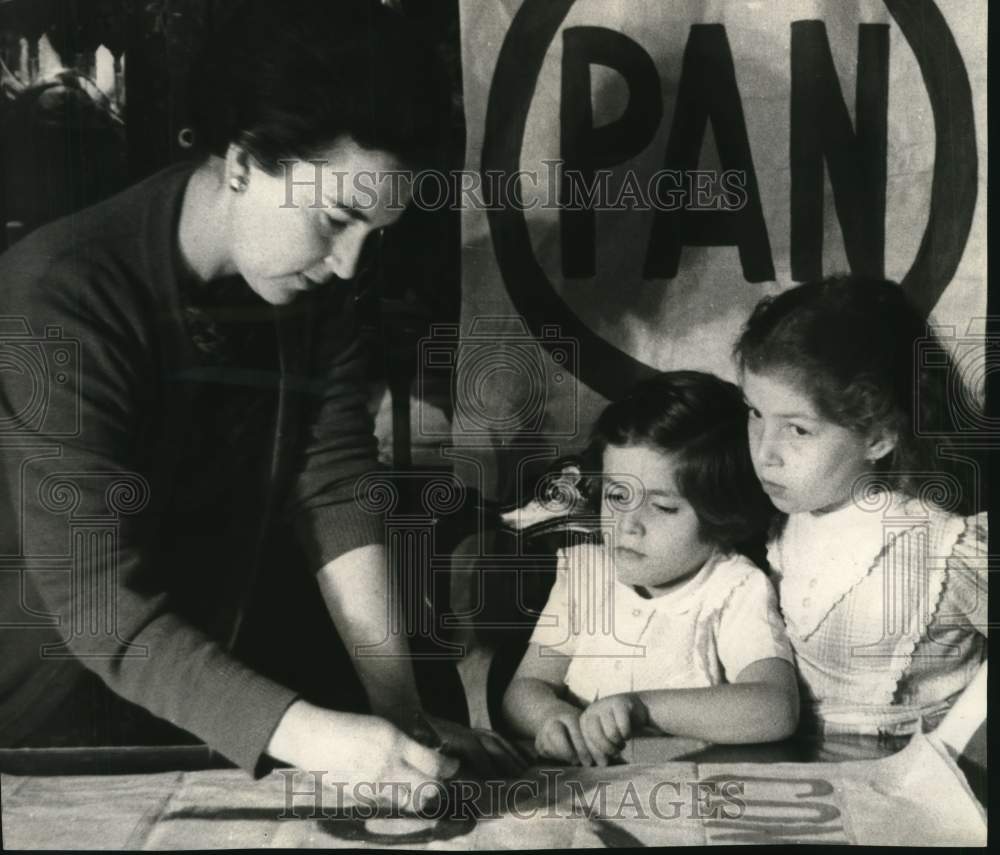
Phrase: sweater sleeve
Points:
(333, 514)
(74, 480)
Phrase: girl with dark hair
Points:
(663, 624)
(853, 408)
(203, 394)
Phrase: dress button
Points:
(807, 602)
(636, 612)
(618, 665)
(812, 583)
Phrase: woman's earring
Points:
(238, 183)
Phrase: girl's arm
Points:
(760, 705)
(534, 705)
(537, 691)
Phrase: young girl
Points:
(882, 584)
(662, 624)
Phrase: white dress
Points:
(702, 634)
(885, 606)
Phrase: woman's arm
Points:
(760, 705)
(356, 588)
(80, 485)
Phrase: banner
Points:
(640, 173)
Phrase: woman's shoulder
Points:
(126, 233)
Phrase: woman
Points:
(192, 343)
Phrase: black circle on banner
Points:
(605, 368)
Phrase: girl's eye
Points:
(753, 412)
(798, 431)
(334, 225)
(666, 509)
(619, 498)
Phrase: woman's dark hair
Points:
(286, 79)
(701, 420)
(870, 361)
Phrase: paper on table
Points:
(918, 797)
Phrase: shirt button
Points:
(618, 666)
(812, 583)
(807, 602)
(636, 612)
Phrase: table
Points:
(671, 792)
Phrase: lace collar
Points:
(820, 559)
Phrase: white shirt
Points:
(702, 634)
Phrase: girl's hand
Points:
(560, 738)
(608, 722)
(361, 749)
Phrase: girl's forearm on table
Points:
(731, 713)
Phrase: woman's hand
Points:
(487, 753)
(361, 749)
(560, 738)
(608, 722)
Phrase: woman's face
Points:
(805, 462)
(300, 229)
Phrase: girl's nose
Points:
(767, 450)
(629, 522)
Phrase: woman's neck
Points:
(204, 224)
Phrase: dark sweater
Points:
(142, 471)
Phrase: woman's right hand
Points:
(560, 738)
(352, 749)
